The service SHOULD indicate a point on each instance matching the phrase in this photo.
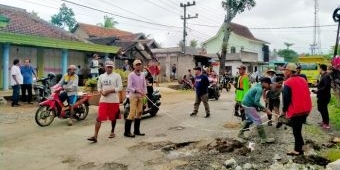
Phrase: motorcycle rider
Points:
(69, 82)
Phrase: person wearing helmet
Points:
(69, 82)
(297, 104)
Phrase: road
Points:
(25, 145)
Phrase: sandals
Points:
(112, 135)
(294, 153)
(93, 139)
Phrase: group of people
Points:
(296, 99)
(109, 84)
(22, 77)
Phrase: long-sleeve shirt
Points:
(253, 96)
(69, 84)
(110, 82)
(324, 87)
(136, 83)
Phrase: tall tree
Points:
(289, 55)
(193, 43)
(109, 22)
(65, 18)
(232, 7)
(288, 44)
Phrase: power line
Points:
(117, 15)
(163, 7)
(273, 28)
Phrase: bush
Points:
(334, 113)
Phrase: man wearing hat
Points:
(201, 86)
(109, 85)
(242, 87)
(251, 104)
(137, 90)
(271, 74)
(297, 104)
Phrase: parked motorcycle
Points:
(42, 87)
(156, 99)
(53, 107)
(213, 92)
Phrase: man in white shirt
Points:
(16, 81)
(95, 66)
(109, 84)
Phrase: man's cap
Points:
(290, 66)
(266, 80)
(197, 68)
(271, 70)
(242, 67)
(137, 62)
(109, 63)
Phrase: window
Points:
(233, 50)
(312, 66)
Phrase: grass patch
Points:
(331, 154)
(313, 130)
(334, 113)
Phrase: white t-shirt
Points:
(15, 71)
(95, 66)
(109, 82)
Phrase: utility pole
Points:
(184, 18)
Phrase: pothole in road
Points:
(105, 166)
(177, 128)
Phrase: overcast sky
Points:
(266, 14)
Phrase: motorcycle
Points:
(225, 82)
(53, 107)
(156, 100)
(213, 92)
(43, 90)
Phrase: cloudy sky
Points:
(160, 19)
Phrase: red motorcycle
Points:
(53, 107)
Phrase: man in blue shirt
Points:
(201, 86)
(27, 72)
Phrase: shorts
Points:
(108, 111)
(71, 100)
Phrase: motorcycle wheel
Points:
(44, 116)
(153, 113)
(82, 116)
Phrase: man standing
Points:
(323, 93)
(242, 87)
(109, 84)
(297, 104)
(27, 72)
(272, 97)
(201, 86)
(173, 71)
(137, 90)
(69, 82)
(126, 66)
(298, 72)
(16, 81)
(251, 104)
(94, 66)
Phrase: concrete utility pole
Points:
(184, 18)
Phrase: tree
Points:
(193, 43)
(288, 45)
(64, 18)
(232, 7)
(109, 22)
(289, 55)
(34, 13)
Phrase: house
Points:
(50, 49)
(243, 48)
(133, 45)
(167, 57)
